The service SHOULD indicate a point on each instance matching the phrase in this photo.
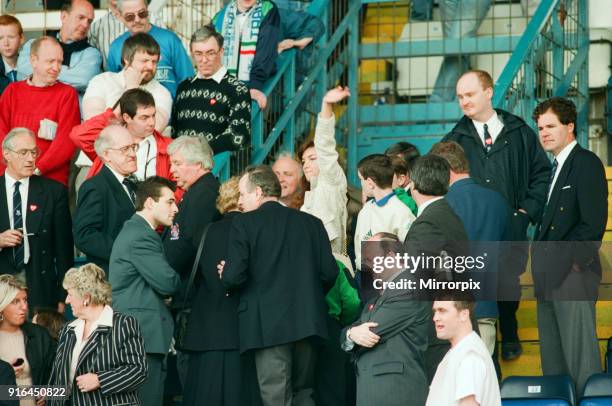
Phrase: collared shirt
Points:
(146, 158)
(217, 76)
(8, 69)
(384, 200)
(23, 188)
(494, 124)
(561, 158)
(427, 203)
(145, 219)
(105, 319)
(120, 179)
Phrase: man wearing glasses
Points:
(174, 64)
(214, 104)
(107, 200)
(35, 226)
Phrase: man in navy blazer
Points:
(484, 214)
(567, 269)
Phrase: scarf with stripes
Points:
(240, 31)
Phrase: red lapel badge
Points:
(213, 102)
(370, 307)
(33, 207)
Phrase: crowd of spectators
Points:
(259, 285)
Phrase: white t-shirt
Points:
(467, 369)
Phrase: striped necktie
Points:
(18, 251)
(488, 140)
(12, 75)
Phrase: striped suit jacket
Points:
(116, 354)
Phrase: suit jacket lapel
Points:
(556, 192)
(117, 189)
(5, 222)
(94, 343)
(34, 208)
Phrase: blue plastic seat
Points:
(557, 390)
(597, 391)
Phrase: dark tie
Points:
(13, 75)
(18, 224)
(553, 170)
(131, 189)
(488, 140)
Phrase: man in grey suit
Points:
(389, 340)
(142, 279)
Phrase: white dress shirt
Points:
(427, 203)
(217, 76)
(23, 188)
(561, 158)
(494, 125)
(120, 178)
(146, 158)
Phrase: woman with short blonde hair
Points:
(100, 355)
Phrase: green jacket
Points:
(342, 299)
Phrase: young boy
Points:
(11, 39)
(385, 212)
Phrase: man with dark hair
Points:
(403, 155)
(384, 212)
(174, 64)
(142, 279)
(46, 106)
(214, 104)
(81, 61)
(389, 340)
(106, 200)
(567, 271)
(274, 250)
(484, 214)
(466, 375)
(404, 150)
(137, 112)
(504, 155)
(436, 230)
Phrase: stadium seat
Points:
(557, 390)
(598, 391)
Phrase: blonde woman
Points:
(28, 348)
(100, 355)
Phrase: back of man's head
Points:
(404, 150)
(263, 177)
(430, 175)
(454, 155)
(133, 99)
(140, 42)
(377, 167)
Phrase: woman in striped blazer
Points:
(100, 356)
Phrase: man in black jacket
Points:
(567, 270)
(281, 261)
(106, 201)
(505, 155)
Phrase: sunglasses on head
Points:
(142, 14)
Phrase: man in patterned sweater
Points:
(213, 104)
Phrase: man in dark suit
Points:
(191, 162)
(142, 278)
(281, 262)
(484, 214)
(504, 155)
(389, 340)
(436, 231)
(567, 271)
(35, 242)
(106, 201)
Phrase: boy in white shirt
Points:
(385, 212)
(466, 376)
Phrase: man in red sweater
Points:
(136, 110)
(45, 106)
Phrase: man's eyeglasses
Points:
(207, 55)
(22, 153)
(126, 150)
(142, 14)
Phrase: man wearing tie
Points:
(11, 39)
(565, 256)
(106, 200)
(36, 241)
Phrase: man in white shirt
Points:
(35, 234)
(466, 376)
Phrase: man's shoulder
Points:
(163, 34)
(237, 84)
(48, 184)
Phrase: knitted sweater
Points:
(219, 112)
(24, 105)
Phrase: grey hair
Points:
(119, 3)
(7, 143)
(289, 155)
(89, 279)
(105, 139)
(195, 150)
(263, 177)
(204, 33)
